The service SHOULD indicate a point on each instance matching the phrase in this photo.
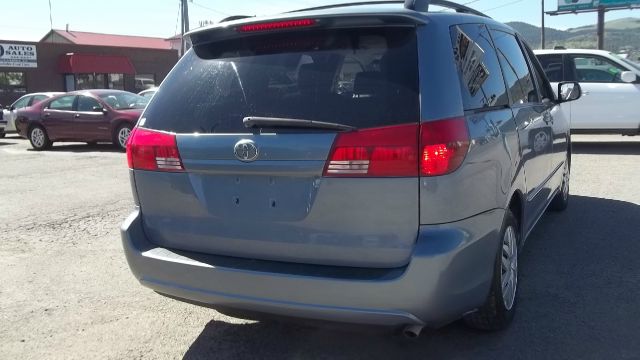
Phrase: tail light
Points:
(153, 150)
(377, 152)
(444, 145)
(431, 149)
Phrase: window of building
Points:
(115, 81)
(145, 81)
(90, 81)
(515, 68)
(478, 68)
(13, 82)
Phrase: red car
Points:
(87, 116)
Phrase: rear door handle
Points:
(76, 115)
(47, 114)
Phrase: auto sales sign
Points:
(18, 55)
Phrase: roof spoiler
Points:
(415, 5)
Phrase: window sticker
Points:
(469, 56)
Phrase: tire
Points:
(39, 139)
(121, 135)
(499, 309)
(561, 199)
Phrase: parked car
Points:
(90, 116)
(148, 93)
(402, 199)
(610, 88)
(10, 112)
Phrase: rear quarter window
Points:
(479, 72)
(358, 77)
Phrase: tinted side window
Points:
(478, 68)
(542, 82)
(37, 98)
(22, 102)
(552, 66)
(515, 68)
(62, 103)
(86, 103)
(593, 68)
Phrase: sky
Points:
(28, 20)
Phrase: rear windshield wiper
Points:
(259, 121)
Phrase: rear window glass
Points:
(362, 78)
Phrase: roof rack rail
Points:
(416, 5)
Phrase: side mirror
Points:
(11, 108)
(628, 76)
(569, 91)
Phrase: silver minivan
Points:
(370, 164)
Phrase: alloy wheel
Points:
(123, 136)
(37, 137)
(509, 267)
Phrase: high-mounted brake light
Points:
(390, 151)
(153, 150)
(276, 25)
(444, 145)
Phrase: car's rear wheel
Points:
(500, 306)
(561, 200)
(122, 135)
(39, 138)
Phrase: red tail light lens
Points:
(153, 150)
(276, 25)
(390, 151)
(444, 145)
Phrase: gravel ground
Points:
(66, 291)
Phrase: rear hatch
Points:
(247, 181)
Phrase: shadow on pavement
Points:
(83, 148)
(578, 299)
(606, 147)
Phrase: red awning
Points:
(85, 63)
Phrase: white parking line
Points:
(65, 153)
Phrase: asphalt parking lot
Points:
(66, 290)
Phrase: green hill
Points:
(620, 34)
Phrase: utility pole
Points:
(184, 9)
(601, 27)
(542, 27)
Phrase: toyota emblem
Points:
(245, 150)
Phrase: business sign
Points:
(573, 5)
(18, 55)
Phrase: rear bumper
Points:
(448, 275)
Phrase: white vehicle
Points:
(610, 84)
(148, 93)
(9, 114)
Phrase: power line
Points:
(470, 2)
(210, 9)
(503, 5)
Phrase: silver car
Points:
(10, 113)
(369, 164)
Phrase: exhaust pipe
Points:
(412, 331)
